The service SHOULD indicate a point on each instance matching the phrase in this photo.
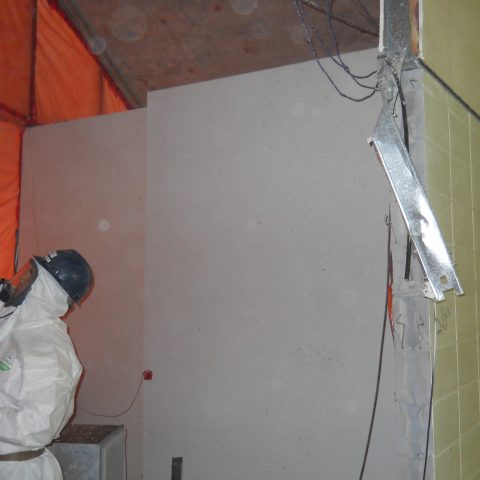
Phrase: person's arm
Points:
(33, 423)
(46, 402)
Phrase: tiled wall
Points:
(450, 42)
(453, 185)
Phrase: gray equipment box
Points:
(91, 452)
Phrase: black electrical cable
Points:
(335, 42)
(449, 89)
(123, 412)
(313, 4)
(316, 57)
(340, 63)
(408, 259)
(382, 344)
(366, 14)
(429, 421)
(406, 141)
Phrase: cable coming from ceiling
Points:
(308, 29)
(316, 5)
(366, 14)
(388, 221)
(345, 67)
(430, 406)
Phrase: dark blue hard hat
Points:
(70, 270)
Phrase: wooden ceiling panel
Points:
(160, 44)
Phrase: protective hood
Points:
(44, 301)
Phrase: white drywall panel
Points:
(265, 280)
(83, 186)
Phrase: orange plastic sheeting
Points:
(10, 144)
(16, 17)
(10, 116)
(112, 102)
(68, 79)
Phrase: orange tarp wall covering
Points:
(10, 145)
(47, 74)
(68, 81)
(16, 55)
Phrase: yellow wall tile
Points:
(436, 115)
(446, 379)
(444, 220)
(446, 422)
(445, 322)
(435, 40)
(475, 476)
(460, 160)
(478, 352)
(438, 171)
(462, 227)
(476, 231)
(466, 317)
(467, 362)
(469, 407)
(457, 209)
(464, 260)
(475, 164)
(447, 465)
(450, 37)
(475, 143)
(439, 200)
(458, 118)
(470, 452)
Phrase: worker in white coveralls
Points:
(39, 370)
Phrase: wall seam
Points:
(475, 255)
(474, 251)
(450, 156)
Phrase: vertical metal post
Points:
(177, 464)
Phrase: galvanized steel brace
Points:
(402, 175)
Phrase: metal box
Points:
(91, 452)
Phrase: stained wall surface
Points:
(83, 187)
(265, 280)
(453, 184)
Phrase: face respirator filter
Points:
(5, 290)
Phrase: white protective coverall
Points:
(39, 373)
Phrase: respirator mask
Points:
(5, 290)
(14, 290)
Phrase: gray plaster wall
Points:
(83, 187)
(265, 280)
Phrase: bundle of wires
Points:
(313, 38)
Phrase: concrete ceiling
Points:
(155, 44)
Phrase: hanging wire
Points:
(314, 52)
(366, 14)
(335, 42)
(117, 414)
(340, 63)
(430, 407)
(388, 221)
(315, 5)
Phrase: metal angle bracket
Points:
(409, 192)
